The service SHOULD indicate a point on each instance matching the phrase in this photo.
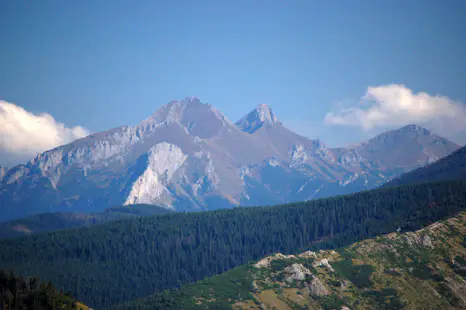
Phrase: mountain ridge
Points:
(219, 164)
(451, 167)
(423, 269)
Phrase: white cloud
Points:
(24, 134)
(395, 105)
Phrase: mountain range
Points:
(189, 156)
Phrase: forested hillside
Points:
(30, 293)
(47, 222)
(452, 167)
(123, 260)
(425, 269)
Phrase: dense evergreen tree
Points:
(124, 260)
(29, 293)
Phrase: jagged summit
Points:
(254, 120)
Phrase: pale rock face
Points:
(257, 118)
(296, 272)
(15, 173)
(427, 241)
(308, 254)
(316, 288)
(207, 179)
(116, 144)
(323, 263)
(99, 168)
(163, 161)
(265, 262)
(299, 156)
(322, 151)
(273, 161)
(244, 171)
(350, 159)
(266, 114)
(349, 180)
(412, 239)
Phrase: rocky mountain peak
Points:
(415, 129)
(265, 114)
(255, 119)
(200, 119)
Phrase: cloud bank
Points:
(24, 134)
(396, 105)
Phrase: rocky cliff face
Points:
(189, 156)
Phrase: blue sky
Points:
(102, 64)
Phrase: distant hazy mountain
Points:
(189, 156)
(53, 221)
(452, 167)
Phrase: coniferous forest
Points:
(30, 293)
(120, 261)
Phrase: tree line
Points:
(124, 260)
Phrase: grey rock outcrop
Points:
(189, 156)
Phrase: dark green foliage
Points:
(128, 259)
(385, 299)
(421, 270)
(46, 222)
(334, 283)
(460, 271)
(29, 293)
(446, 292)
(392, 272)
(332, 302)
(358, 274)
(460, 260)
(280, 264)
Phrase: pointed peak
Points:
(414, 128)
(265, 113)
(191, 99)
(254, 120)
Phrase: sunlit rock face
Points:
(189, 156)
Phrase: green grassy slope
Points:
(425, 269)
